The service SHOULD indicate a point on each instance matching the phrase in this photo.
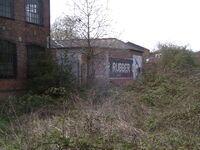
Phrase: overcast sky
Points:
(148, 22)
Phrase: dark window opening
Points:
(7, 8)
(8, 59)
(34, 11)
(35, 53)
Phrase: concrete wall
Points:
(101, 65)
(22, 33)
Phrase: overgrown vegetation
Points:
(177, 59)
(47, 73)
(159, 111)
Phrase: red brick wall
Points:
(21, 33)
(101, 63)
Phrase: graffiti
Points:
(137, 66)
(120, 67)
(126, 67)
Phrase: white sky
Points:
(148, 22)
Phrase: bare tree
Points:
(92, 24)
(88, 21)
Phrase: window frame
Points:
(12, 10)
(40, 13)
(13, 54)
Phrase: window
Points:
(8, 58)
(34, 11)
(34, 54)
(6, 8)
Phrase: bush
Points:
(47, 73)
(177, 59)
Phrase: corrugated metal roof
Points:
(108, 43)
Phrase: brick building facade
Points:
(114, 60)
(24, 31)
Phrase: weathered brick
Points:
(21, 33)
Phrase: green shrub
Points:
(176, 59)
(46, 73)
(42, 73)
